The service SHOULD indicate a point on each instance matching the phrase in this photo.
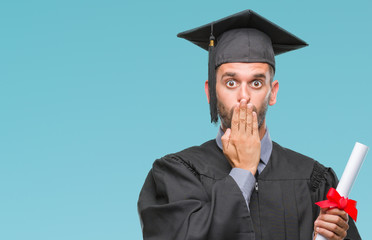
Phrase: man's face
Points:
(249, 81)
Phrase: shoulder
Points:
(290, 164)
(303, 166)
(206, 159)
(291, 155)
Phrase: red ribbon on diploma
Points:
(335, 200)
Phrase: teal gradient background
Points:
(92, 92)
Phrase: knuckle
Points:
(340, 220)
(316, 223)
(334, 227)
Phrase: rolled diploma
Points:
(350, 173)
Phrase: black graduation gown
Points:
(190, 195)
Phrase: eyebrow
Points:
(233, 74)
(228, 74)
(260, 75)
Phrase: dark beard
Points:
(226, 116)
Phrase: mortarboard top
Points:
(282, 40)
(242, 37)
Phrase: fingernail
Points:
(250, 105)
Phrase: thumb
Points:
(226, 139)
(323, 210)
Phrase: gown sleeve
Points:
(173, 204)
(322, 179)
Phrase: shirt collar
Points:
(266, 145)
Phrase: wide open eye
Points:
(231, 83)
(256, 84)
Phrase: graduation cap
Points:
(242, 37)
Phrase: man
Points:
(240, 185)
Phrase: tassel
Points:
(212, 79)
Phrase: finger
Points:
(235, 121)
(255, 125)
(338, 212)
(226, 139)
(333, 227)
(329, 219)
(242, 116)
(328, 234)
(249, 118)
(331, 230)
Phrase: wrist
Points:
(252, 170)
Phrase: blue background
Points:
(92, 92)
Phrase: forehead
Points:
(244, 68)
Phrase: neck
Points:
(262, 129)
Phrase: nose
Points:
(243, 93)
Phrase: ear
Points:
(274, 92)
(206, 89)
